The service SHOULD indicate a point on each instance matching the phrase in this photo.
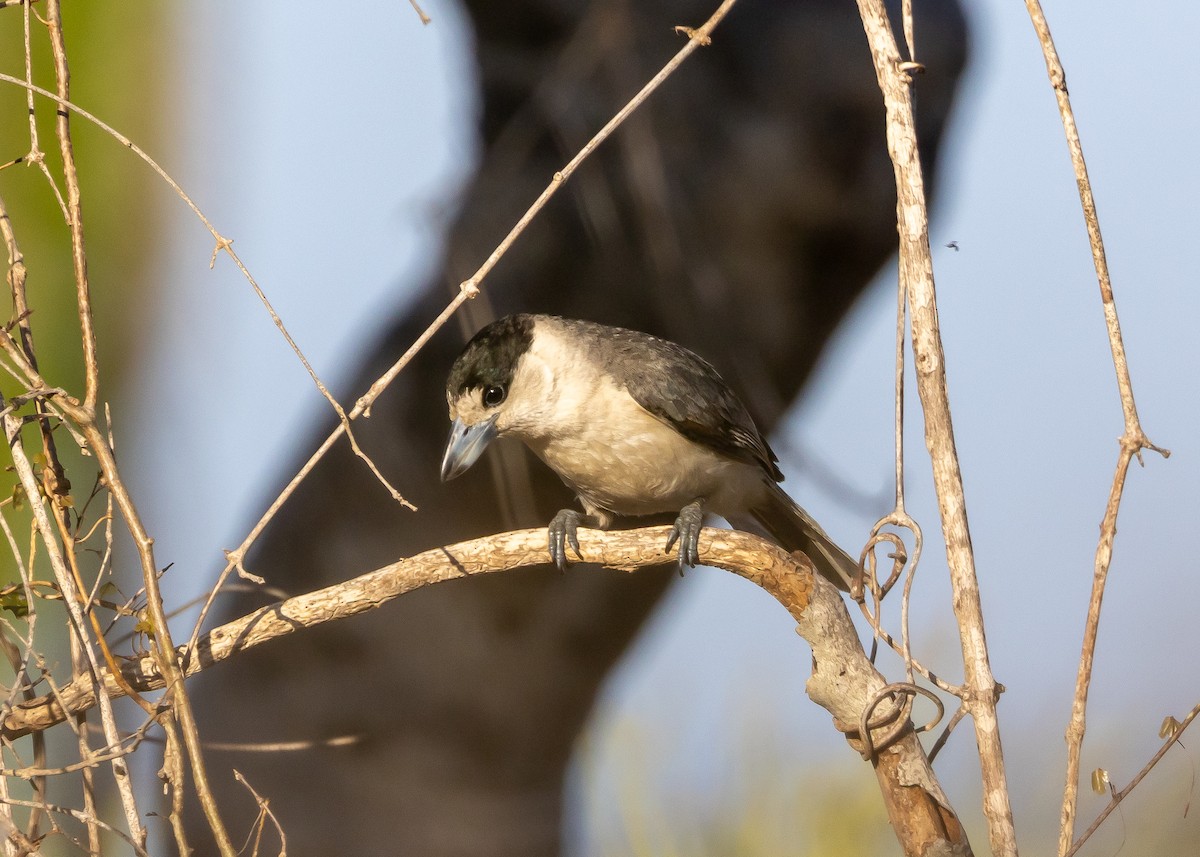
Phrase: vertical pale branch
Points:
(36, 157)
(1133, 441)
(87, 778)
(916, 274)
(90, 668)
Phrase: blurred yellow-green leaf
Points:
(14, 600)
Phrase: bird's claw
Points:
(564, 531)
(686, 531)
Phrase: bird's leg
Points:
(687, 532)
(563, 532)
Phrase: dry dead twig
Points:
(468, 290)
(916, 275)
(1132, 442)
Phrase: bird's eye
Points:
(493, 396)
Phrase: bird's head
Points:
(479, 389)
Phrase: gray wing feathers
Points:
(685, 391)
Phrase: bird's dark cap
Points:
(490, 358)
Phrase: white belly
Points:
(631, 463)
(617, 456)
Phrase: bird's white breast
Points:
(616, 455)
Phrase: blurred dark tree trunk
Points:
(741, 212)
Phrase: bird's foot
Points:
(564, 531)
(686, 531)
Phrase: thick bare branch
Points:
(503, 552)
(468, 290)
(844, 681)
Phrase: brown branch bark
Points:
(844, 682)
(916, 276)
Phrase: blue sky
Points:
(330, 152)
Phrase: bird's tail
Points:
(795, 529)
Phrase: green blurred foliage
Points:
(765, 794)
(768, 801)
(120, 55)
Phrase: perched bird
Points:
(634, 424)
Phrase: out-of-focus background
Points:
(330, 146)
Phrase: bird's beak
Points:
(465, 446)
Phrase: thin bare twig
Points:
(84, 415)
(1124, 793)
(36, 157)
(264, 814)
(226, 245)
(916, 271)
(696, 38)
(1132, 442)
(164, 648)
(55, 477)
(236, 557)
(467, 290)
(945, 736)
(425, 19)
(63, 563)
(83, 299)
(172, 775)
(88, 671)
(93, 759)
(78, 815)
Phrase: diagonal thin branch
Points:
(468, 290)
(222, 244)
(1132, 442)
(165, 654)
(1124, 793)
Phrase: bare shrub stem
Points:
(1132, 442)
(916, 274)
